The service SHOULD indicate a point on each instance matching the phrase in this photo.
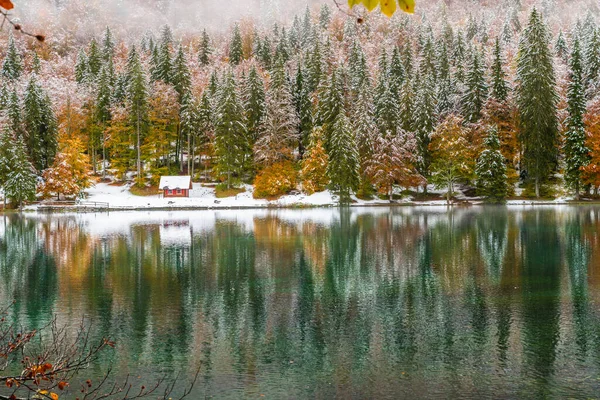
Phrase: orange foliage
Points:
(276, 180)
(591, 172)
(6, 4)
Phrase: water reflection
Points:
(323, 303)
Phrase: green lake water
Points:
(481, 302)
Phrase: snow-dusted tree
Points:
(12, 66)
(476, 89)
(189, 122)
(406, 104)
(231, 140)
(282, 51)
(278, 133)
(4, 96)
(453, 158)
(264, 53)
(181, 77)
(445, 88)
(575, 150)
(154, 69)
(425, 106)
(344, 160)
(490, 171)
(458, 58)
(324, 16)
(592, 64)
(102, 110)
(36, 64)
(591, 172)
(386, 107)
(21, 181)
(561, 49)
(396, 72)
(314, 164)
(108, 45)
(536, 99)
(304, 110)
(253, 97)
(392, 162)
(94, 59)
(499, 89)
(137, 106)
(331, 104)
(164, 63)
(40, 125)
(81, 67)
(357, 67)
(15, 115)
(69, 174)
(205, 50)
(314, 67)
(236, 52)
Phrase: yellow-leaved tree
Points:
(70, 172)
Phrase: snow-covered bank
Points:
(120, 198)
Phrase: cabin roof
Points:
(175, 182)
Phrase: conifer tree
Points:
(445, 88)
(12, 66)
(561, 49)
(231, 141)
(4, 96)
(324, 16)
(303, 104)
(15, 115)
(164, 68)
(344, 160)
(592, 64)
(236, 52)
(314, 67)
(536, 100)
(396, 72)
(40, 125)
(406, 104)
(181, 77)
(278, 133)
(425, 106)
(94, 59)
(386, 109)
(307, 28)
(137, 104)
(205, 49)
(189, 124)
(575, 149)
(490, 170)
(21, 182)
(264, 53)
(331, 104)
(154, 65)
(36, 65)
(81, 67)
(499, 85)
(282, 51)
(103, 112)
(254, 103)
(357, 67)
(476, 89)
(108, 45)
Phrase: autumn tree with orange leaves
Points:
(591, 172)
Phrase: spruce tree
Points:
(575, 149)
(302, 101)
(499, 85)
(12, 66)
(15, 115)
(343, 166)
(164, 68)
(137, 104)
(103, 109)
(490, 170)
(205, 49)
(236, 53)
(154, 69)
(108, 45)
(592, 64)
(425, 106)
(21, 182)
(81, 67)
(40, 125)
(331, 104)
(265, 55)
(536, 101)
(181, 77)
(94, 59)
(476, 89)
(4, 96)
(278, 133)
(231, 142)
(324, 16)
(445, 87)
(560, 47)
(36, 65)
(254, 103)
(396, 72)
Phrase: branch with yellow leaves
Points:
(388, 7)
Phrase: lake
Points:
(358, 303)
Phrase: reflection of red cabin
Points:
(175, 186)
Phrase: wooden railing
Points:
(74, 203)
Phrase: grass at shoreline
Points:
(143, 191)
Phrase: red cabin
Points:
(175, 186)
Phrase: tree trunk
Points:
(577, 197)
(104, 154)
(391, 193)
(449, 193)
(180, 146)
(193, 156)
(537, 187)
(189, 150)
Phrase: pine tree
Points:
(189, 124)
(425, 106)
(12, 66)
(137, 104)
(181, 77)
(205, 49)
(592, 63)
(4, 97)
(314, 165)
(406, 104)
(254, 103)
(343, 166)
(94, 59)
(103, 112)
(331, 104)
(324, 16)
(282, 51)
(36, 65)
(357, 67)
(560, 47)
(154, 69)
(236, 52)
(164, 68)
(396, 73)
(231, 141)
(386, 109)
(302, 101)
(278, 134)
(108, 46)
(490, 170)
(499, 85)
(264, 53)
(476, 89)
(575, 150)
(21, 182)
(314, 67)
(81, 68)
(536, 100)
(363, 122)
(40, 125)
(15, 115)
(445, 87)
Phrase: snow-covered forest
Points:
(491, 96)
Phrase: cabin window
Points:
(178, 191)
(169, 191)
